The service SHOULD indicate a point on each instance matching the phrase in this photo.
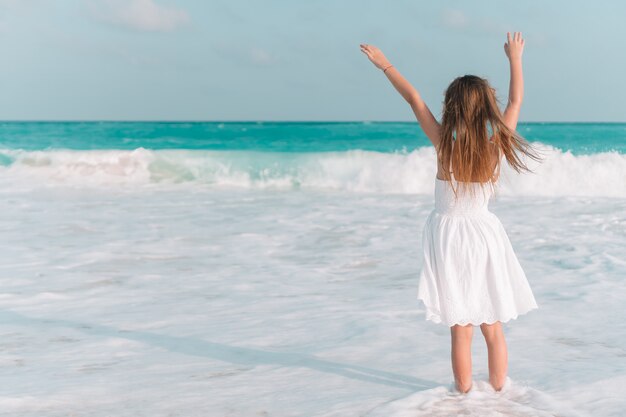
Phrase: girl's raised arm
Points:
(424, 116)
(513, 49)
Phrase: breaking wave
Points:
(560, 174)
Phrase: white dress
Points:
(470, 274)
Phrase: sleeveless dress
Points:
(470, 274)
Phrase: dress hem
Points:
(436, 318)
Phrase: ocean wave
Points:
(560, 174)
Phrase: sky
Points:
(300, 59)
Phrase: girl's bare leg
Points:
(496, 348)
(462, 356)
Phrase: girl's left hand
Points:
(375, 55)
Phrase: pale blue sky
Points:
(300, 60)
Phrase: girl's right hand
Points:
(375, 55)
(514, 46)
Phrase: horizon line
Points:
(268, 121)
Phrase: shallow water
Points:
(192, 301)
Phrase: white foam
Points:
(514, 400)
(561, 174)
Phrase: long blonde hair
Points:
(470, 117)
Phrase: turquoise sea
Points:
(579, 138)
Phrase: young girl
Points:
(470, 274)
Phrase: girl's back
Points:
(470, 274)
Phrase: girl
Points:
(470, 274)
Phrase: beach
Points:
(268, 269)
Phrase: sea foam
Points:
(244, 302)
(515, 399)
(560, 173)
